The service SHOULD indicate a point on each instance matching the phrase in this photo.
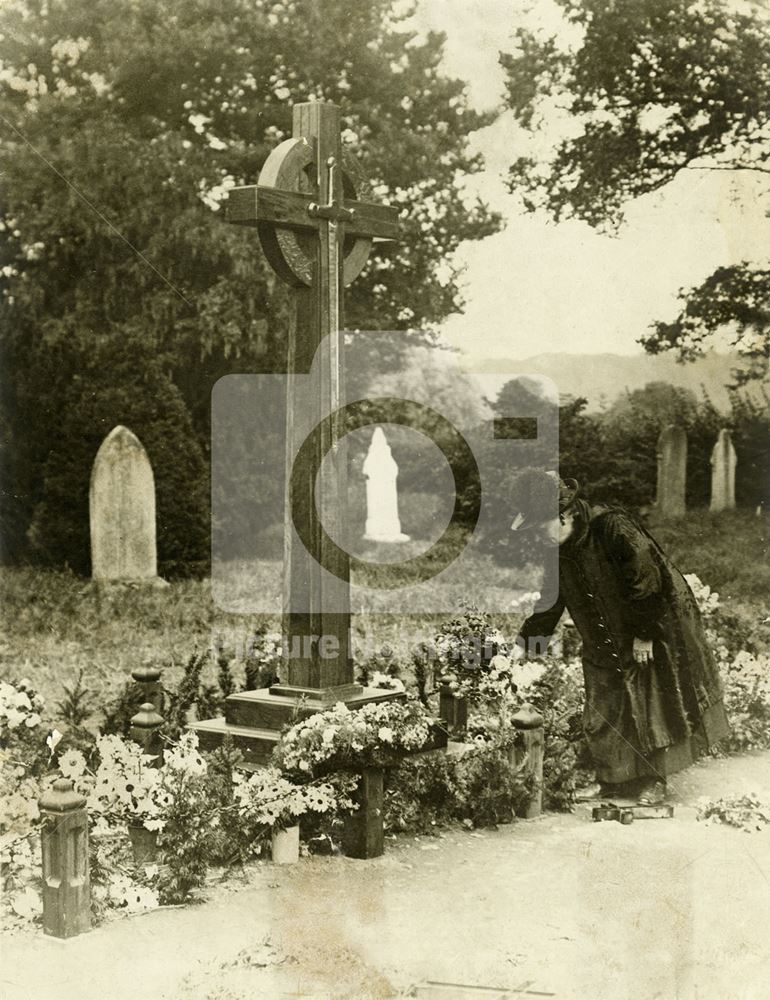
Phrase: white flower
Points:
(26, 903)
(385, 733)
(72, 764)
(14, 718)
(707, 601)
(21, 700)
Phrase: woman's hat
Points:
(536, 493)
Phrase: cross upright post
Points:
(317, 233)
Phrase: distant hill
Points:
(602, 377)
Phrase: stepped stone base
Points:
(256, 745)
(129, 582)
(255, 719)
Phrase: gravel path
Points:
(663, 909)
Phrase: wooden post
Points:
(363, 835)
(453, 709)
(529, 723)
(145, 730)
(148, 679)
(66, 885)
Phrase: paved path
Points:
(669, 909)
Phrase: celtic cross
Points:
(316, 230)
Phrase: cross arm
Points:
(255, 203)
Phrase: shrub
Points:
(419, 794)
(192, 693)
(117, 718)
(479, 788)
(746, 680)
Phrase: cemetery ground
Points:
(56, 624)
(675, 908)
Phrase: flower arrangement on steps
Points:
(339, 739)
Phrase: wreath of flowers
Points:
(373, 735)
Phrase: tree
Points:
(124, 123)
(734, 299)
(652, 88)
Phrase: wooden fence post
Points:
(145, 730)
(453, 709)
(529, 723)
(64, 840)
(148, 679)
(363, 835)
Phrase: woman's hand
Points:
(643, 651)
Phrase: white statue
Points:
(381, 472)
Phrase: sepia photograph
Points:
(384, 499)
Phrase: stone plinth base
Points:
(255, 719)
(132, 583)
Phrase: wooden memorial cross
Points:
(317, 233)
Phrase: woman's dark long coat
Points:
(617, 584)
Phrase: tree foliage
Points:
(651, 88)
(125, 122)
(734, 299)
(655, 86)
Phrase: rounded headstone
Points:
(723, 463)
(122, 510)
(672, 471)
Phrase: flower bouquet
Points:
(374, 735)
(126, 786)
(268, 800)
(468, 646)
(21, 721)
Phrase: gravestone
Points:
(672, 471)
(122, 511)
(381, 471)
(723, 473)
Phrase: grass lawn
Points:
(56, 624)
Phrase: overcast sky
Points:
(539, 287)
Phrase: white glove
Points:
(643, 651)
